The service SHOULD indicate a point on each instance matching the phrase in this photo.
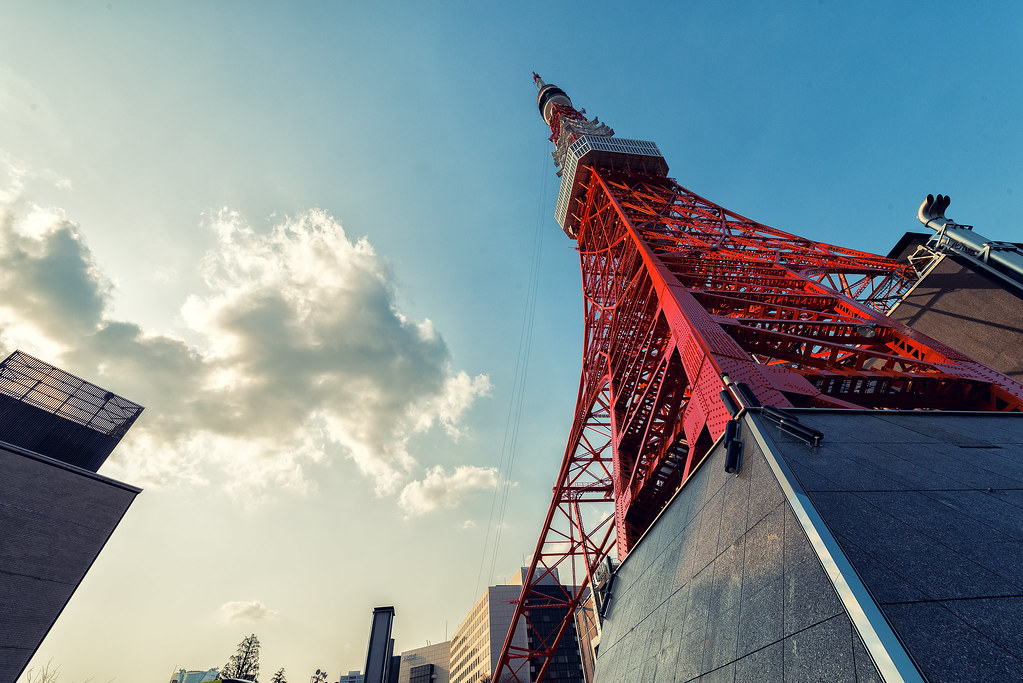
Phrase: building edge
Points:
(102, 533)
(886, 649)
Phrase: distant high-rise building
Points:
(352, 677)
(587, 628)
(476, 644)
(432, 660)
(395, 668)
(56, 513)
(183, 676)
(381, 664)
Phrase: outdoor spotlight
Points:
(731, 429)
(730, 405)
(747, 395)
(733, 456)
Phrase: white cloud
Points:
(300, 354)
(246, 611)
(441, 489)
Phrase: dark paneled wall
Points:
(929, 509)
(725, 587)
(566, 666)
(54, 521)
(971, 312)
(52, 435)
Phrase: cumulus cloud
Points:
(442, 489)
(246, 611)
(296, 352)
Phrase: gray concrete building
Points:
(431, 661)
(476, 643)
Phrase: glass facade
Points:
(421, 674)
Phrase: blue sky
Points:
(186, 150)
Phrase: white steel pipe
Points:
(932, 214)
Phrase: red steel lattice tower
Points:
(682, 296)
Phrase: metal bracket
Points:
(790, 424)
(733, 447)
(604, 580)
(738, 398)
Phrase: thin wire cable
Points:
(529, 320)
(513, 419)
(515, 401)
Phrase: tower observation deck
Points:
(694, 315)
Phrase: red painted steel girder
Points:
(696, 291)
(678, 292)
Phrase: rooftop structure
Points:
(195, 676)
(52, 412)
(56, 513)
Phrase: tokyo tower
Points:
(693, 313)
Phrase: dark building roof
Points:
(49, 411)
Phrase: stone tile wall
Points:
(928, 507)
(725, 587)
